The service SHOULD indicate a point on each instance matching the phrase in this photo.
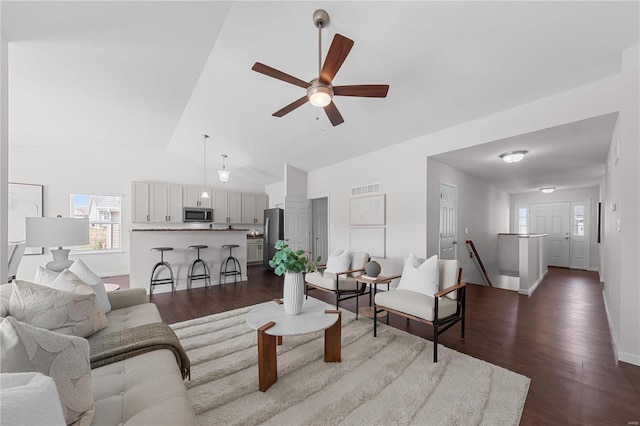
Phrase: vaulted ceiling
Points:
(157, 75)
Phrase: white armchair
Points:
(343, 284)
(441, 311)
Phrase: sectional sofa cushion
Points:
(57, 310)
(65, 359)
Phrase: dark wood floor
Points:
(559, 337)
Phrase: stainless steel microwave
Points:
(197, 214)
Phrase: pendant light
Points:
(205, 193)
(223, 174)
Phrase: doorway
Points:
(448, 222)
(320, 228)
(567, 224)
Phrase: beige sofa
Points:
(147, 389)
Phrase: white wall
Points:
(108, 172)
(573, 194)
(481, 208)
(4, 160)
(275, 191)
(622, 226)
(295, 182)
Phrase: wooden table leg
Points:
(279, 340)
(333, 339)
(267, 364)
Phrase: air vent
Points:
(365, 189)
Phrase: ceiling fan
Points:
(320, 91)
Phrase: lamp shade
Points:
(57, 231)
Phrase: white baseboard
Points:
(629, 358)
(620, 355)
(535, 285)
(113, 274)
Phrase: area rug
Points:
(389, 379)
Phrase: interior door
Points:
(297, 214)
(579, 251)
(320, 228)
(448, 219)
(553, 219)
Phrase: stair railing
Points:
(473, 252)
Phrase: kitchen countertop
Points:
(254, 237)
(189, 229)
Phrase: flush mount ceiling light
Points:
(548, 190)
(223, 174)
(204, 194)
(513, 156)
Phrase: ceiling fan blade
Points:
(272, 72)
(340, 48)
(334, 115)
(293, 105)
(363, 90)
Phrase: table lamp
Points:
(57, 232)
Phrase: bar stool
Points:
(235, 265)
(158, 281)
(204, 275)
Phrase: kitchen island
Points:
(142, 259)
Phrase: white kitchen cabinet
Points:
(165, 203)
(140, 202)
(253, 206)
(192, 197)
(254, 250)
(227, 207)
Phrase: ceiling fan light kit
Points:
(319, 94)
(320, 90)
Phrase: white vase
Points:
(293, 292)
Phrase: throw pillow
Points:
(29, 399)
(339, 263)
(45, 276)
(420, 277)
(56, 310)
(63, 358)
(89, 277)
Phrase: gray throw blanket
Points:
(120, 345)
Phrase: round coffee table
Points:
(272, 322)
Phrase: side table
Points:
(367, 311)
(272, 322)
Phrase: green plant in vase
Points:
(287, 260)
(292, 264)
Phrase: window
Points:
(578, 221)
(522, 220)
(103, 212)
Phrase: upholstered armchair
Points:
(440, 311)
(342, 283)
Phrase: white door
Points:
(320, 227)
(579, 235)
(297, 212)
(553, 219)
(448, 228)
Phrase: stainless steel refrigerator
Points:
(273, 231)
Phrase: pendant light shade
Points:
(204, 194)
(223, 173)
